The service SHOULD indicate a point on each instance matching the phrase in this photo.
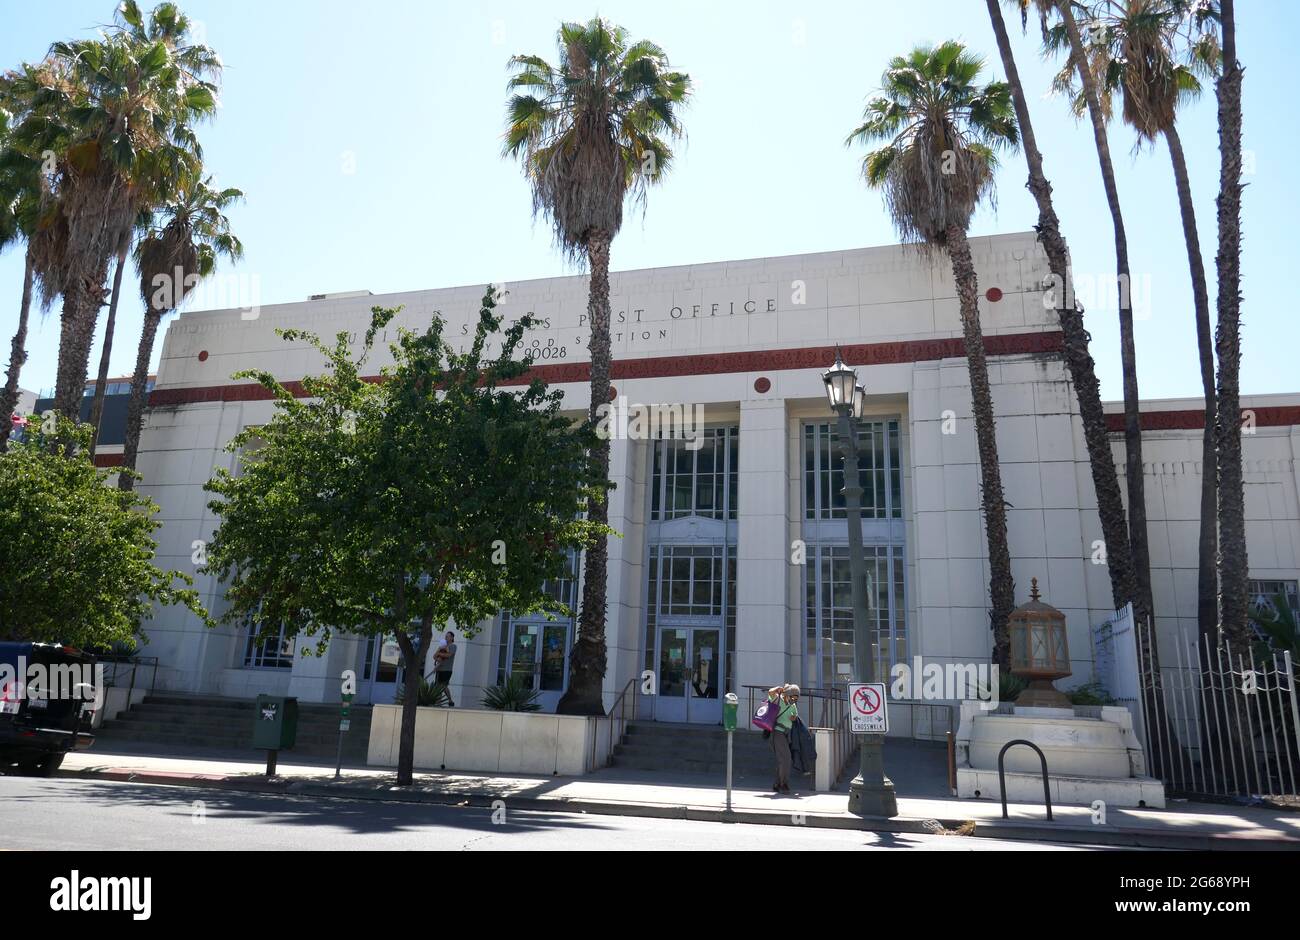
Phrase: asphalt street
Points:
(66, 814)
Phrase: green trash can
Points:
(275, 722)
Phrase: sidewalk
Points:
(633, 793)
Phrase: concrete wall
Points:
(485, 741)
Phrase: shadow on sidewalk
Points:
(186, 805)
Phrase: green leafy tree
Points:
(77, 555)
(941, 131)
(441, 494)
(589, 133)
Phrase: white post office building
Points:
(733, 566)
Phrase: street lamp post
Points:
(871, 793)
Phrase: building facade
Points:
(732, 568)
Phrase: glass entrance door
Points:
(539, 657)
(690, 675)
(383, 668)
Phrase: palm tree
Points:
(1070, 38)
(106, 352)
(589, 133)
(1078, 358)
(196, 62)
(1234, 594)
(181, 247)
(1139, 52)
(941, 132)
(114, 112)
(19, 201)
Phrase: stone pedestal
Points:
(1089, 757)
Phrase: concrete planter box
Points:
(491, 741)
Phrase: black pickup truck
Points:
(47, 702)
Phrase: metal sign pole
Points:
(344, 726)
(730, 735)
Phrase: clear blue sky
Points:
(415, 92)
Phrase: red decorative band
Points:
(1193, 419)
(812, 357)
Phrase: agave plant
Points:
(430, 695)
(1090, 693)
(514, 695)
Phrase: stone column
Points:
(763, 654)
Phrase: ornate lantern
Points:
(1040, 651)
(841, 383)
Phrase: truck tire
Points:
(50, 765)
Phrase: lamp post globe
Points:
(840, 382)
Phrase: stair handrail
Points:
(620, 706)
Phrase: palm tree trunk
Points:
(135, 407)
(1002, 589)
(1078, 358)
(101, 386)
(1207, 614)
(82, 299)
(17, 356)
(1233, 569)
(588, 659)
(1137, 510)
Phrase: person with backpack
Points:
(786, 698)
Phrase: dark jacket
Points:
(803, 753)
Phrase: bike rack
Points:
(1002, 775)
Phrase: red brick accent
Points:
(767, 360)
(1194, 420)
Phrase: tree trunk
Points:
(17, 356)
(1234, 596)
(1207, 590)
(82, 299)
(101, 386)
(135, 407)
(1137, 509)
(1078, 358)
(1002, 588)
(588, 659)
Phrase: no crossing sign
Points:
(867, 708)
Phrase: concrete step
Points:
(353, 747)
(151, 720)
(146, 726)
(227, 707)
(713, 769)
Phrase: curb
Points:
(995, 829)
